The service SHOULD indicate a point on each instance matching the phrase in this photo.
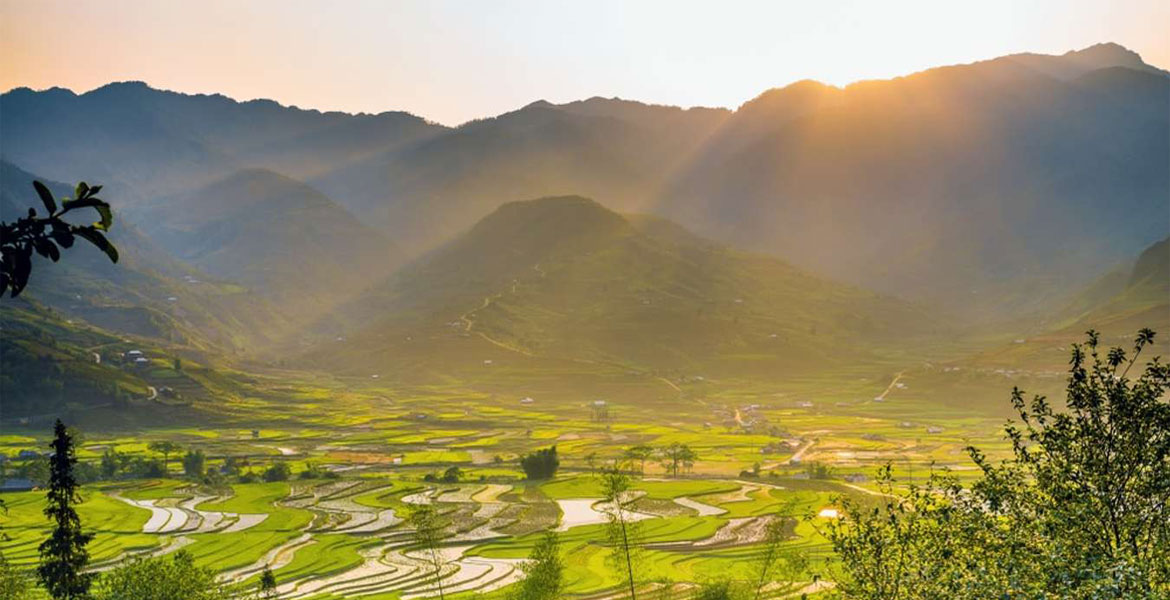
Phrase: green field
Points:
(343, 536)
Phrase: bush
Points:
(172, 577)
(542, 464)
(277, 472)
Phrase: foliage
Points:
(639, 454)
(542, 464)
(193, 463)
(47, 235)
(165, 448)
(267, 583)
(621, 532)
(721, 589)
(13, 583)
(775, 565)
(452, 475)
(277, 472)
(428, 527)
(678, 458)
(63, 554)
(173, 577)
(544, 571)
(1080, 511)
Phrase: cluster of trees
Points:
(542, 464)
(675, 459)
(453, 474)
(1081, 510)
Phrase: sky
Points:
(452, 61)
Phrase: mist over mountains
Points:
(987, 192)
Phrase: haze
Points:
(454, 61)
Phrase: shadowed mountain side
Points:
(148, 293)
(1125, 300)
(565, 278)
(159, 142)
(276, 236)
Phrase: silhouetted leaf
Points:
(96, 238)
(46, 197)
(81, 191)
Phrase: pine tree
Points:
(63, 554)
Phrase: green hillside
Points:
(565, 278)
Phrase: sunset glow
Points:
(454, 61)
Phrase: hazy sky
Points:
(453, 61)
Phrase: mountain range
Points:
(1001, 194)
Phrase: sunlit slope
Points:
(566, 278)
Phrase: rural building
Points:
(17, 485)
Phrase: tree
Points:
(277, 472)
(452, 474)
(774, 565)
(1081, 510)
(165, 448)
(542, 464)
(173, 577)
(267, 583)
(544, 571)
(428, 534)
(622, 533)
(63, 554)
(110, 464)
(47, 235)
(677, 458)
(591, 461)
(193, 463)
(640, 454)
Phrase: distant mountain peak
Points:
(1107, 54)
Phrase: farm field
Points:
(789, 451)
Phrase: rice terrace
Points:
(384, 301)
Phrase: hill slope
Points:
(274, 235)
(148, 293)
(566, 278)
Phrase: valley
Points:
(323, 324)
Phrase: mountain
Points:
(991, 188)
(274, 235)
(565, 278)
(613, 148)
(155, 142)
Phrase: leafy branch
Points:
(48, 235)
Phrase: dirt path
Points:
(890, 387)
(799, 453)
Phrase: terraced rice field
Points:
(346, 536)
